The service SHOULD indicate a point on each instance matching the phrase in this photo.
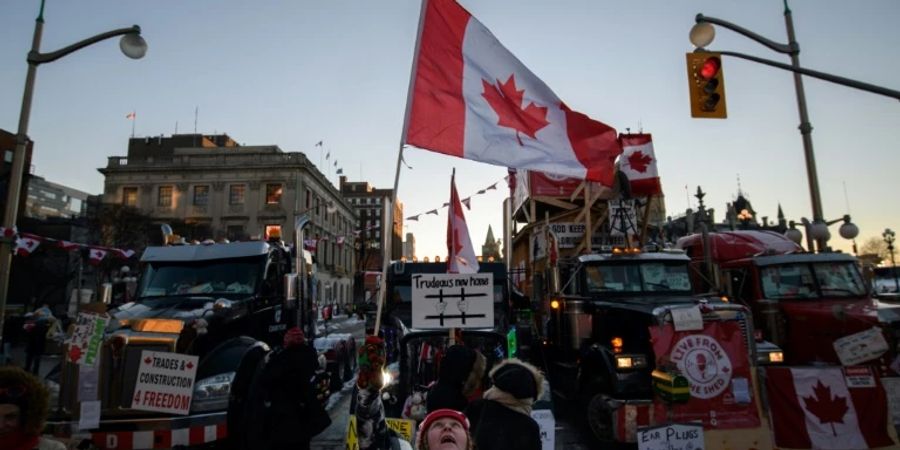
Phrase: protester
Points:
(24, 404)
(37, 324)
(288, 412)
(459, 377)
(502, 419)
(442, 429)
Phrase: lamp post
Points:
(818, 231)
(301, 220)
(702, 35)
(888, 236)
(131, 44)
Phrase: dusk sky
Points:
(292, 73)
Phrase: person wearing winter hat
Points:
(444, 429)
(502, 418)
(24, 403)
(458, 378)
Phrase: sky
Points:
(293, 73)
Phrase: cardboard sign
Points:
(859, 377)
(860, 347)
(674, 436)
(89, 415)
(165, 382)
(687, 319)
(452, 300)
(547, 424)
(84, 345)
(403, 427)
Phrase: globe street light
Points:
(132, 45)
(888, 236)
(818, 231)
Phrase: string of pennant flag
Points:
(27, 243)
(465, 201)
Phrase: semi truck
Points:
(227, 304)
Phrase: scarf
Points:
(520, 405)
(18, 440)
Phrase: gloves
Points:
(371, 361)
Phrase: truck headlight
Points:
(211, 394)
(776, 357)
(627, 362)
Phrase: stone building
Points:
(209, 186)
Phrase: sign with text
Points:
(674, 436)
(547, 424)
(860, 347)
(449, 300)
(84, 345)
(403, 427)
(165, 382)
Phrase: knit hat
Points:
(431, 418)
(515, 378)
(293, 337)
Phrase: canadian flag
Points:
(638, 163)
(309, 245)
(26, 244)
(827, 408)
(461, 255)
(473, 99)
(123, 254)
(68, 245)
(96, 255)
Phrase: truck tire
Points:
(600, 419)
(240, 392)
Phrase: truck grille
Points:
(116, 379)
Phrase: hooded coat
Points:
(502, 419)
(459, 376)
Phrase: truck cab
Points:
(801, 301)
(599, 338)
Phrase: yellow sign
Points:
(403, 427)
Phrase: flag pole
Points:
(382, 289)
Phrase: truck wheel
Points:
(600, 418)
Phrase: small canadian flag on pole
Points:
(131, 116)
(460, 253)
(96, 255)
(638, 163)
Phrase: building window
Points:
(273, 194)
(308, 199)
(201, 195)
(236, 194)
(165, 197)
(273, 231)
(235, 232)
(129, 196)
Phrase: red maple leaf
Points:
(828, 408)
(190, 365)
(506, 101)
(74, 353)
(148, 360)
(639, 161)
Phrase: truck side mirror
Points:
(290, 290)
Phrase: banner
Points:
(717, 365)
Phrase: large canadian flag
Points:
(638, 163)
(827, 408)
(460, 253)
(474, 99)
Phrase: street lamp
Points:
(703, 33)
(888, 236)
(818, 231)
(131, 44)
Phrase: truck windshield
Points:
(815, 280)
(233, 276)
(638, 277)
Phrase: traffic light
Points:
(706, 80)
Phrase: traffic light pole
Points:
(792, 48)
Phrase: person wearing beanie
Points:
(502, 418)
(444, 429)
(458, 378)
(285, 409)
(24, 403)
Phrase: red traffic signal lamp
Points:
(706, 81)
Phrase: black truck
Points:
(596, 321)
(226, 303)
